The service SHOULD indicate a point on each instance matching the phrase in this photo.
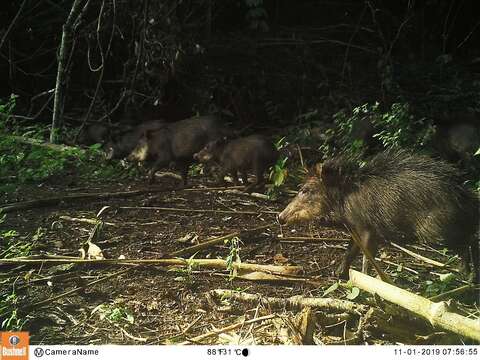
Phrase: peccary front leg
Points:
(244, 177)
(352, 252)
(259, 183)
(369, 242)
(183, 168)
(155, 167)
(221, 177)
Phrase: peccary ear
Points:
(326, 172)
(147, 134)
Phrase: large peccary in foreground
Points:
(397, 197)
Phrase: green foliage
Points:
(355, 132)
(15, 245)
(399, 128)
(233, 255)
(24, 163)
(196, 169)
(444, 283)
(6, 109)
(331, 288)
(8, 305)
(279, 171)
(353, 294)
(256, 15)
(187, 271)
(114, 313)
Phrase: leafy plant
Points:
(368, 128)
(279, 171)
(8, 305)
(233, 255)
(115, 314)
(256, 15)
(6, 109)
(444, 283)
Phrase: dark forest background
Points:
(409, 68)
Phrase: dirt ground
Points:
(156, 305)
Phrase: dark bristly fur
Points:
(397, 197)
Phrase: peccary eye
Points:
(304, 190)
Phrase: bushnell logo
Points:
(14, 345)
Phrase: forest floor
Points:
(151, 304)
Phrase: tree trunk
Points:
(65, 46)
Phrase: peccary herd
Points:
(396, 196)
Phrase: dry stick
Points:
(25, 205)
(397, 265)
(227, 328)
(451, 293)
(66, 293)
(294, 302)
(369, 256)
(436, 313)
(214, 188)
(197, 210)
(215, 241)
(204, 263)
(84, 220)
(419, 257)
(263, 277)
(309, 239)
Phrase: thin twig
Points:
(227, 328)
(418, 256)
(218, 240)
(198, 210)
(4, 37)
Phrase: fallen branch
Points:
(242, 193)
(84, 220)
(308, 239)
(218, 240)
(259, 276)
(199, 263)
(294, 302)
(156, 208)
(437, 314)
(32, 204)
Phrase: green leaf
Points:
(332, 288)
(447, 278)
(354, 293)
